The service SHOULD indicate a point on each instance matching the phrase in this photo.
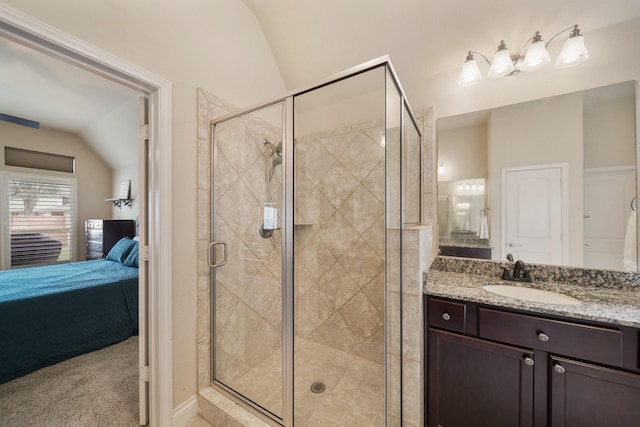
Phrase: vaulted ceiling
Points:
(309, 40)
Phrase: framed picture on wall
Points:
(125, 189)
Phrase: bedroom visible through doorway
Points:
(20, 28)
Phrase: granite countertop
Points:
(602, 304)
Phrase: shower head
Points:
(275, 149)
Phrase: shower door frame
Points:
(287, 252)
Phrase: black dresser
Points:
(102, 234)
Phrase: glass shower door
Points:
(246, 257)
(339, 253)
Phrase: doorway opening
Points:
(155, 310)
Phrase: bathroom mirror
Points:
(559, 181)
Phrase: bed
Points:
(52, 313)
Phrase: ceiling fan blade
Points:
(19, 121)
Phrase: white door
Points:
(532, 201)
(608, 193)
(143, 263)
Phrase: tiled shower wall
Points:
(248, 299)
(339, 200)
(210, 107)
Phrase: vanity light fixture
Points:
(533, 56)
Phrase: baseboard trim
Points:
(187, 410)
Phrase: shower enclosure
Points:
(310, 195)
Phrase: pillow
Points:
(121, 249)
(132, 258)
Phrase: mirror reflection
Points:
(551, 181)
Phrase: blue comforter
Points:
(49, 314)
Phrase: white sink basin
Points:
(529, 294)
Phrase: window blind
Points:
(41, 216)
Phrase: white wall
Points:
(214, 44)
(609, 132)
(127, 173)
(463, 153)
(537, 133)
(92, 173)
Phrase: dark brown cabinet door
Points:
(584, 395)
(478, 383)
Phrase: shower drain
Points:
(318, 387)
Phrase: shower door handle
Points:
(210, 251)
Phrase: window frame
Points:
(5, 213)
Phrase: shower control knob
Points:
(446, 316)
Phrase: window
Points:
(42, 217)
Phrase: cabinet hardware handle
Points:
(529, 361)
(446, 316)
(543, 337)
(559, 369)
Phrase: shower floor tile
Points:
(354, 394)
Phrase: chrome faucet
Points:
(520, 274)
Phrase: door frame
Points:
(18, 26)
(564, 205)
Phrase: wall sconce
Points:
(533, 56)
(441, 169)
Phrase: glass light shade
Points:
(573, 53)
(536, 57)
(501, 65)
(470, 73)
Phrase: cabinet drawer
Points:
(94, 235)
(448, 315)
(570, 339)
(94, 224)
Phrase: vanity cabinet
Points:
(494, 367)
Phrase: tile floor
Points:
(354, 394)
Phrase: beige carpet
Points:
(95, 389)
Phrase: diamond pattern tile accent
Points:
(362, 155)
(225, 176)
(235, 337)
(362, 209)
(316, 258)
(315, 307)
(316, 162)
(375, 181)
(336, 144)
(338, 286)
(264, 295)
(225, 303)
(240, 270)
(255, 178)
(361, 262)
(338, 235)
(338, 184)
(238, 145)
(374, 236)
(361, 316)
(238, 207)
(316, 210)
(335, 333)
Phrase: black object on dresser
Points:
(102, 234)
